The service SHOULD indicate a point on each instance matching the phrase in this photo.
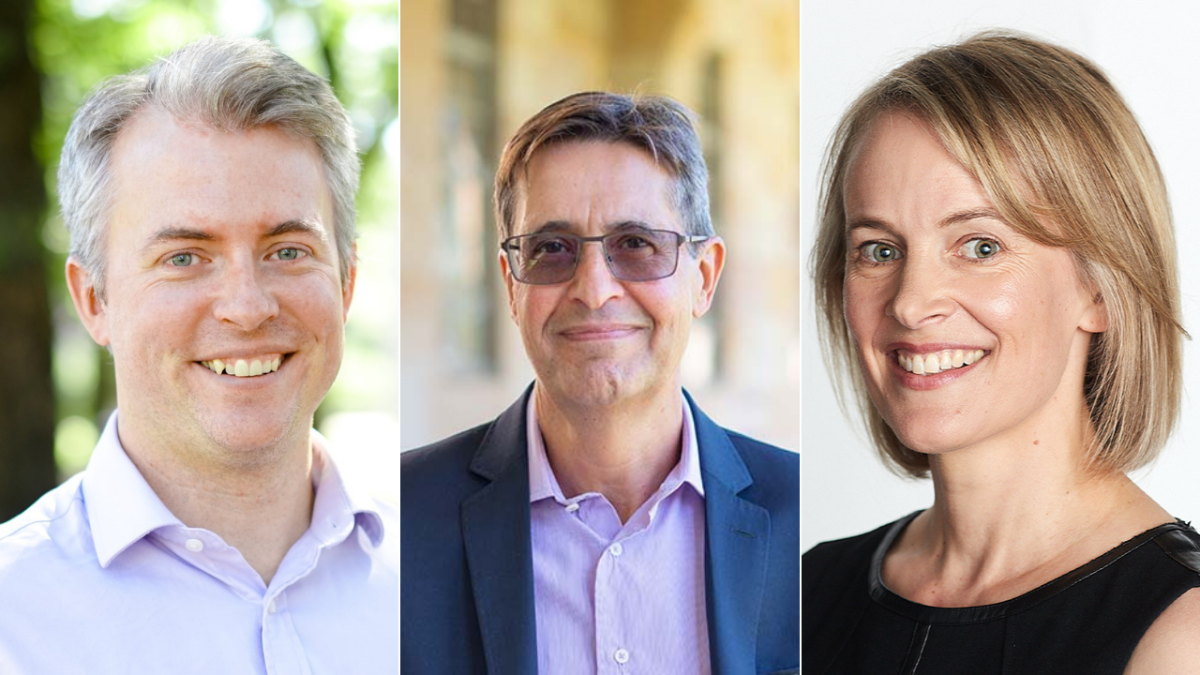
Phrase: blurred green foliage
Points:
(354, 43)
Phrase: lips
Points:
(598, 331)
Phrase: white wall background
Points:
(1149, 50)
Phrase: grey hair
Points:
(656, 124)
(226, 84)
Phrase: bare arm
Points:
(1172, 644)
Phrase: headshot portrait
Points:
(996, 304)
(600, 473)
(209, 200)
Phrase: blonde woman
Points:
(995, 274)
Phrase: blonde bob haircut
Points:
(1065, 163)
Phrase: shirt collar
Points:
(338, 495)
(123, 508)
(543, 484)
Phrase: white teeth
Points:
(938, 362)
(242, 368)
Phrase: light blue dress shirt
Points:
(99, 577)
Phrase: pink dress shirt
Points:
(612, 597)
(99, 577)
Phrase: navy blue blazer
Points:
(466, 574)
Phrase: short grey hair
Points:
(223, 83)
(658, 125)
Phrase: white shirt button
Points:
(271, 606)
(572, 507)
(616, 549)
(194, 545)
(621, 656)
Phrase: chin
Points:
(596, 386)
(249, 433)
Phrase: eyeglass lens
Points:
(551, 258)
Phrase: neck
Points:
(1011, 515)
(260, 507)
(622, 452)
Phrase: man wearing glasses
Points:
(602, 523)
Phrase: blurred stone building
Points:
(473, 70)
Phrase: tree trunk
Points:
(26, 388)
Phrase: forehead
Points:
(595, 183)
(168, 171)
(899, 166)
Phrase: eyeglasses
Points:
(632, 255)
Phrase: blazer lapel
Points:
(737, 545)
(495, 526)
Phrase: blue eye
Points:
(181, 260)
(289, 253)
(980, 248)
(879, 252)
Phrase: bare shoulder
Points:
(1172, 644)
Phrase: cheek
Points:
(863, 306)
(318, 303)
(532, 307)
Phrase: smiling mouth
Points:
(250, 367)
(938, 362)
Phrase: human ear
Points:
(708, 274)
(1095, 315)
(89, 306)
(508, 286)
(348, 284)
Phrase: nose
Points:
(921, 293)
(244, 300)
(593, 283)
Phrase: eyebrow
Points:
(171, 234)
(564, 226)
(301, 226)
(952, 219)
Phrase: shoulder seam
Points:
(62, 514)
(1181, 548)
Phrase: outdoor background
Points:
(1149, 52)
(56, 385)
(474, 70)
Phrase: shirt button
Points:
(621, 656)
(572, 507)
(616, 549)
(271, 606)
(194, 545)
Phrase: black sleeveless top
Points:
(1087, 621)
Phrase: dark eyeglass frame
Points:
(512, 246)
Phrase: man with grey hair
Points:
(603, 523)
(210, 202)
